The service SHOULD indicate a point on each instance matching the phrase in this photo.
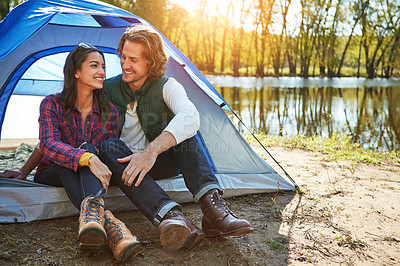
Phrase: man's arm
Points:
(140, 163)
(27, 168)
(186, 121)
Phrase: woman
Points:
(72, 124)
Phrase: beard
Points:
(132, 78)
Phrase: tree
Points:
(237, 38)
(264, 19)
(151, 10)
(7, 5)
(174, 27)
(224, 35)
(356, 18)
(283, 37)
(378, 20)
(4, 8)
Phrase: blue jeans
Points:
(186, 158)
(78, 185)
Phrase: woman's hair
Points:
(153, 48)
(73, 63)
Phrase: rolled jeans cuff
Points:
(204, 190)
(163, 211)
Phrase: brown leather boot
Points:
(195, 237)
(218, 220)
(120, 239)
(91, 224)
(176, 231)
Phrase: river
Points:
(368, 110)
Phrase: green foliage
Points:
(277, 243)
(153, 11)
(7, 5)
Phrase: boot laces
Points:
(114, 230)
(171, 214)
(177, 215)
(220, 204)
(93, 207)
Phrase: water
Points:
(368, 110)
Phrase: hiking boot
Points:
(218, 220)
(121, 241)
(174, 231)
(91, 222)
(195, 237)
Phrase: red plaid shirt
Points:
(59, 141)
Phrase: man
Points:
(157, 129)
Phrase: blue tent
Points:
(34, 40)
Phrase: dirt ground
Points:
(348, 214)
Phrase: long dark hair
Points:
(72, 64)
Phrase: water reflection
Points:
(371, 114)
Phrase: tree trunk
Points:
(291, 63)
(256, 48)
(346, 46)
(238, 43)
(370, 71)
(392, 55)
(284, 35)
(226, 28)
(277, 59)
(359, 59)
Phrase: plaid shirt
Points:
(60, 141)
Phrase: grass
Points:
(274, 245)
(337, 147)
(277, 243)
(348, 241)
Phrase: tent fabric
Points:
(25, 201)
(36, 32)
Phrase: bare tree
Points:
(237, 38)
(283, 38)
(356, 19)
(264, 19)
(224, 35)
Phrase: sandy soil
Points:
(349, 213)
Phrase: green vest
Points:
(153, 113)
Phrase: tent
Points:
(34, 39)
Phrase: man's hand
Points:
(100, 170)
(15, 174)
(139, 164)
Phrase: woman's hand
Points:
(100, 170)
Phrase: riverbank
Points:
(348, 213)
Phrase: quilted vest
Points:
(153, 113)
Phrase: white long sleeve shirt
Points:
(183, 125)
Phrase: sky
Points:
(222, 5)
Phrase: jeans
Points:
(78, 185)
(186, 158)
